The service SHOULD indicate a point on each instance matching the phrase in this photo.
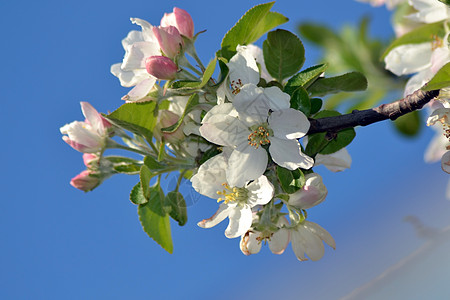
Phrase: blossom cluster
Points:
(241, 139)
(423, 60)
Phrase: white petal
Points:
(445, 162)
(255, 102)
(245, 164)
(429, 11)
(222, 109)
(133, 36)
(137, 53)
(147, 29)
(298, 245)
(240, 221)
(409, 58)
(289, 123)
(417, 81)
(335, 162)
(141, 89)
(210, 176)
(260, 191)
(279, 241)
(220, 215)
(313, 244)
(257, 53)
(287, 154)
(249, 244)
(93, 117)
(321, 233)
(439, 58)
(129, 78)
(224, 130)
(243, 67)
(437, 146)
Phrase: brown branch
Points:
(369, 116)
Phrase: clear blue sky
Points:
(59, 243)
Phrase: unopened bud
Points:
(161, 67)
(166, 119)
(312, 193)
(180, 19)
(84, 181)
(169, 40)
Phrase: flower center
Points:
(234, 194)
(436, 42)
(236, 86)
(259, 136)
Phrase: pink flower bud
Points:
(181, 19)
(84, 181)
(161, 67)
(312, 193)
(90, 159)
(169, 40)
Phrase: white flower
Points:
(439, 146)
(278, 240)
(313, 192)
(138, 45)
(222, 125)
(307, 239)
(88, 136)
(237, 201)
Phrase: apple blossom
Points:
(278, 240)
(307, 237)
(238, 202)
(311, 194)
(85, 181)
(180, 19)
(429, 11)
(88, 136)
(246, 135)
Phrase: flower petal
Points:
(260, 191)
(334, 162)
(137, 53)
(141, 89)
(287, 154)
(240, 221)
(249, 244)
(409, 58)
(93, 118)
(224, 130)
(321, 233)
(245, 164)
(445, 162)
(210, 176)
(220, 215)
(128, 78)
(243, 67)
(289, 123)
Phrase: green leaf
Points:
(440, 80)
(422, 34)
(145, 175)
(185, 84)
(192, 102)
(316, 105)
(300, 101)
(318, 34)
(253, 24)
(445, 2)
(409, 125)
(316, 142)
(291, 181)
(305, 78)
(176, 205)
(211, 152)
(343, 139)
(349, 82)
(153, 164)
(137, 195)
(195, 85)
(155, 221)
(284, 54)
(138, 117)
(224, 70)
(129, 169)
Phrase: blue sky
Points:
(60, 243)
